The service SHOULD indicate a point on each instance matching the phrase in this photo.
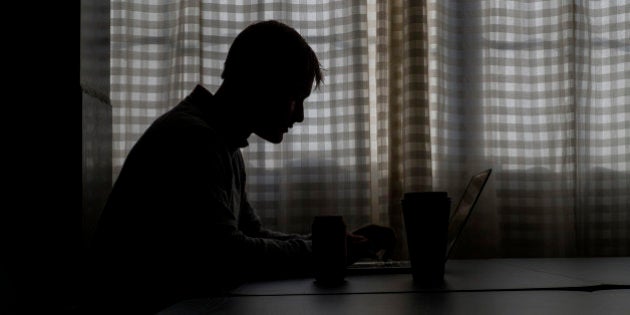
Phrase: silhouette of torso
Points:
(177, 223)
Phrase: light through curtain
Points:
(161, 49)
(537, 90)
(418, 95)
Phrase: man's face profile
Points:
(280, 109)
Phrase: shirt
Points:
(177, 221)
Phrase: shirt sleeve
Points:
(251, 225)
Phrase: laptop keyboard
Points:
(380, 264)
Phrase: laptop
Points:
(458, 220)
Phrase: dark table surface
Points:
(486, 286)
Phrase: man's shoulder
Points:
(185, 119)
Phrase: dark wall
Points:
(44, 230)
(96, 125)
(96, 113)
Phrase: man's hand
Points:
(371, 241)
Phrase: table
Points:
(485, 286)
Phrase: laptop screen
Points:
(466, 203)
(458, 220)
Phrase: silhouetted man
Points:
(177, 223)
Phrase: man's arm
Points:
(250, 224)
(249, 221)
(256, 257)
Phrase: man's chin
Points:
(273, 138)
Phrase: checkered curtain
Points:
(161, 49)
(418, 95)
(537, 90)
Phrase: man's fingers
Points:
(357, 239)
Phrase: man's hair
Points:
(271, 51)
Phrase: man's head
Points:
(275, 69)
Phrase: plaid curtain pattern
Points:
(538, 91)
(418, 95)
(602, 127)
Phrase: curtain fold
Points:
(418, 95)
(402, 105)
(602, 127)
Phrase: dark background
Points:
(41, 249)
